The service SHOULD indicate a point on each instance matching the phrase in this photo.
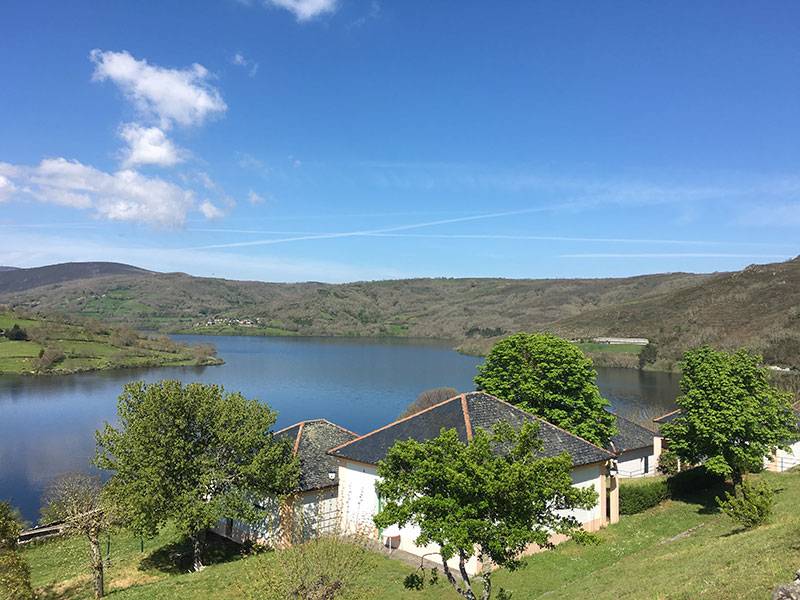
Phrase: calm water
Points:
(47, 423)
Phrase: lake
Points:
(47, 424)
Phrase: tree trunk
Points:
(737, 478)
(198, 549)
(97, 564)
(486, 576)
(467, 591)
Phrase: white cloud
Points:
(239, 60)
(305, 10)
(7, 188)
(255, 198)
(785, 214)
(124, 195)
(210, 211)
(149, 146)
(169, 96)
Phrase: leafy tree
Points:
(552, 378)
(731, 417)
(193, 454)
(17, 333)
(520, 499)
(15, 575)
(76, 499)
(429, 398)
(648, 355)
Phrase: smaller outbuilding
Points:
(637, 449)
(313, 508)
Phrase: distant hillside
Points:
(758, 307)
(13, 279)
(463, 310)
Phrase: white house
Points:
(357, 460)
(637, 449)
(780, 461)
(313, 508)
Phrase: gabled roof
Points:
(630, 436)
(311, 441)
(466, 413)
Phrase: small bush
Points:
(17, 334)
(751, 505)
(48, 358)
(638, 497)
(693, 481)
(668, 463)
(15, 577)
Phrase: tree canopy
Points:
(192, 454)
(552, 378)
(731, 417)
(433, 484)
(15, 574)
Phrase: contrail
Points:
(369, 232)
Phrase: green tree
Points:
(494, 495)
(648, 355)
(731, 418)
(193, 454)
(552, 378)
(15, 575)
(17, 333)
(77, 500)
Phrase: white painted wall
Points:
(641, 462)
(359, 503)
(783, 461)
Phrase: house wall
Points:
(359, 503)
(783, 461)
(308, 514)
(641, 462)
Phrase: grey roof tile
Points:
(630, 436)
(482, 411)
(311, 441)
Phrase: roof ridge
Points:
(297, 439)
(467, 419)
(670, 413)
(288, 427)
(338, 426)
(392, 424)
(537, 417)
(318, 420)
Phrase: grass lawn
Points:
(610, 348)
(680, 550)
(84, 350)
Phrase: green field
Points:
(592, 347)
(681, 550)
(85, 347)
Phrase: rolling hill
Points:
(758, 306)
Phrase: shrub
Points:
(48, 358)
(637, 497)
(17, 334)
(429, 398)
(751, 505)
(693, 481)
(15, 577)
(668, 463)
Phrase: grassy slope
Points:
(83, 349)
(469, 311)
(679, 550)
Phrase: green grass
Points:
(610, 348)
(84, 350)
(680, 550)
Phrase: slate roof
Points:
(311, 441)
(630, 436)
(466, 413)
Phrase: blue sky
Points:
(340, 140)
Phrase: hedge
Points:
(693, 481)
(638, 497)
